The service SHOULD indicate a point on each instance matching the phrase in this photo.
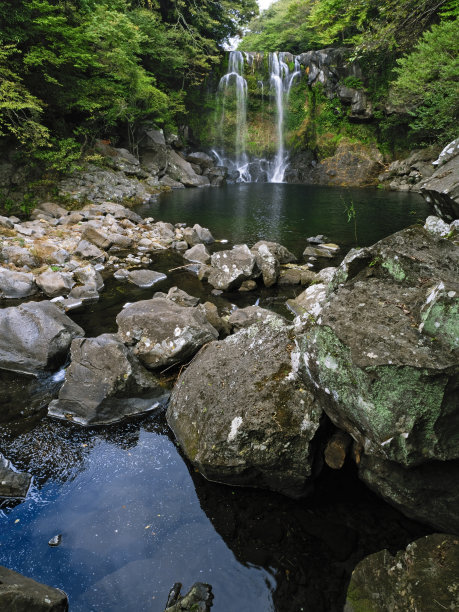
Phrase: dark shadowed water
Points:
(135, 517)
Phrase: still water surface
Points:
(135, 517)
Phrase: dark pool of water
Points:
(134, 516)
(246, 213)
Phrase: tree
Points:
(427, 83)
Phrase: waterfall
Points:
(233, 89)
(234, 80)
(233, 94)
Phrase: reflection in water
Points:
(246, 213)
(135, 519)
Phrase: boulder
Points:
(50, 209)
(204, 234)
(16, 284)
(21, 594)
(167, 181)
(310, 302)
(13, 483)
(198, 254)
(144, 278)
(95, 235)
(241, 413)
(268, 263)
(180, 170)
(86, 250)
(162, 332)
(382, 347)
(55, 283)
(182, 298)
(105, 383)
(230, 268)
(34, 337)
(424, 576)
(280, 252)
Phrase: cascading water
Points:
(233, 89)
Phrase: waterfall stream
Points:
(233, 91)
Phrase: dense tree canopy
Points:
(73, 70)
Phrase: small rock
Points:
(55, 540)
(145, 278)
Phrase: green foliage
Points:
(353, 82)
(428, 83)
(282, 27)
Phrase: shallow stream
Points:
(134, 516)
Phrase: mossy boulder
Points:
(242, 415)
(383, 356)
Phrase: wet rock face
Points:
(105, 383)
(386, 379)
(198, 599)
(241, 414)
(162, 332)
(422, 577)
(34, 337)
(21, 594)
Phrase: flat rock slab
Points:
(21, 594)
(424, 577)
(241, 414)
(34, 337)
(144, 278)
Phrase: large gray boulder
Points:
(424, 576)
(162, 332)
(442, 188)
(241, 413)
(34, 337)
(229, 269)
(21, 594)
(105, 383)
(16, 284)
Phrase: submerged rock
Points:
(162, 332)
(242, 415)
(21, 594)
(34, 337)
(198, 599)
(105, 383)
(422, 577)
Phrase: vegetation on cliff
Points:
(408, 50)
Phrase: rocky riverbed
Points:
(367, 371)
